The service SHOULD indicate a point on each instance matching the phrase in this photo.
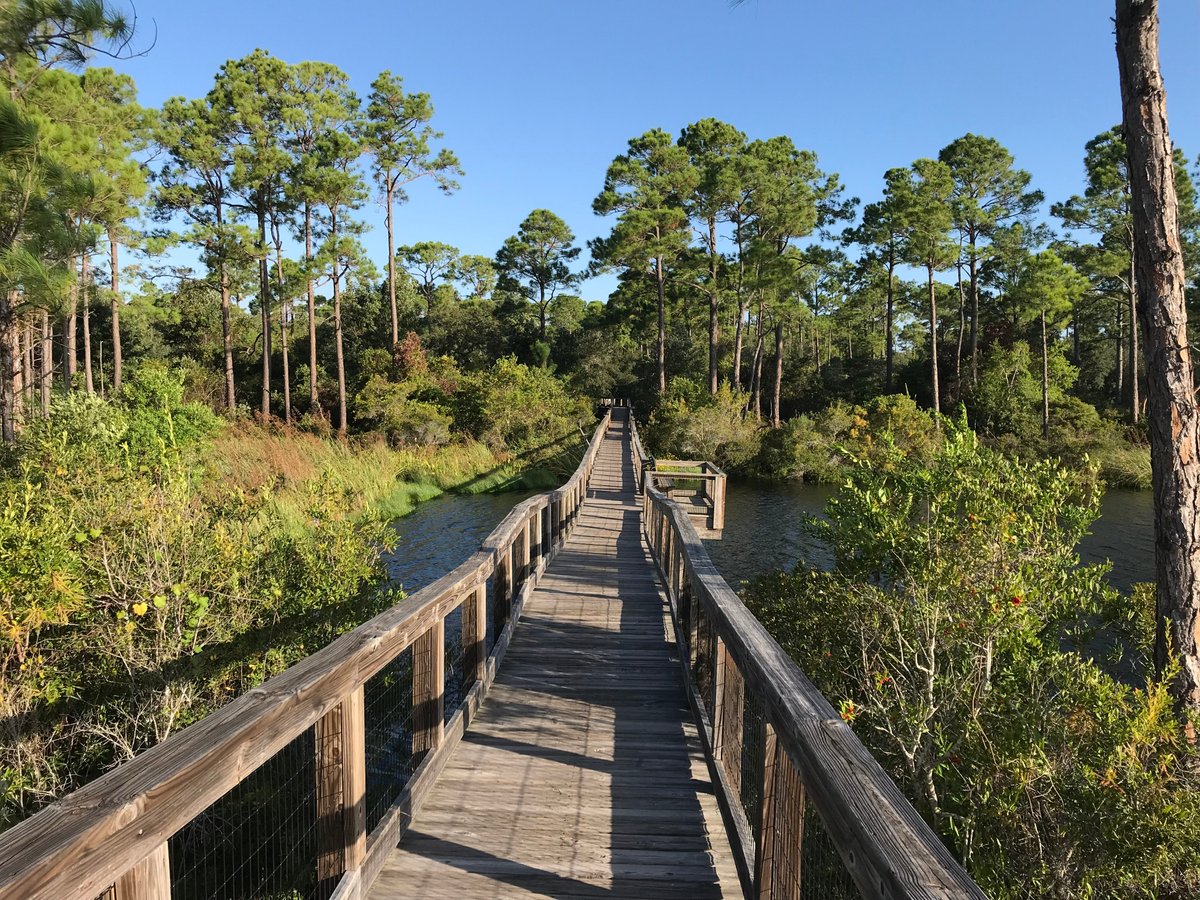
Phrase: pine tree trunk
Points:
(8, 432)
(227, 338)
(776, 400)
(889, 339)
(1135, 399)
(264, 296)
(391, 196)
(116, 313)
(337, 331)
(86, 308)
(47, 367)
(542, 313)
(660, 278)
(1174, 418)
(962, 324)
(70, 341)
(742, 307)
(1120, 354)
(314, 398)
(30, 382)
(1045, 381)
(933, 342)
(973, 270)
(756, 366)
(714, 325)
(284, 306)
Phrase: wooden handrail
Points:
(113, 831)
(809, 754)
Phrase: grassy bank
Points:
(369, 475)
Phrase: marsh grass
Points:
(371, 476)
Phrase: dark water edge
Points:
(764, 532)
(442, 533)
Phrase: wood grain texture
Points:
(583, 774)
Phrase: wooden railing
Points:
(364, 721)
(709, 494)
(805, 804)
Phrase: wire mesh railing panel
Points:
(823, 875)
(704, 659)
(456, 685)
(388, 716)
(258, 842)
(754, 737)
(786, 828)
(732, 720)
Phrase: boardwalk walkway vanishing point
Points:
(583, 775)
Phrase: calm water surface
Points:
(441, 533)
(763, 532)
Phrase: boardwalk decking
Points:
(582, 776)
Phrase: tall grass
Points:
(370, 475)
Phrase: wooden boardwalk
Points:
(582, 775)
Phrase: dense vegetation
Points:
(1009, 690)
(203, 445)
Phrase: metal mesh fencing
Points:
(823, 875)
(258, 842)
(388, 703)
(455, 679)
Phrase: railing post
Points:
(474, 635)
(555, 508)
(718, 501)
(428, 689)
(341, 789)
(502, 590)
(534, 530)
(781, 839)
(764, 840)
(520, 558)
(148, 880)
(728, 718)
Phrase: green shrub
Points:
(695, 425)
(957, 632)
(517, 408)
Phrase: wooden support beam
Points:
(728, 718)
(526, 556)
(428, 689)
(764, 842)
(474, 635)
(148, 880)
(341, 770)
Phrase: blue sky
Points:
(537, 97)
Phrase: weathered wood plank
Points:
(148, 880)
(583, 774)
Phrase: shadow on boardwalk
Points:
(582, 775)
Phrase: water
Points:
(442, 533)
(763, 532)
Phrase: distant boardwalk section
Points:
(583, 775)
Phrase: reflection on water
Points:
(442, 533)
(763, 532)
